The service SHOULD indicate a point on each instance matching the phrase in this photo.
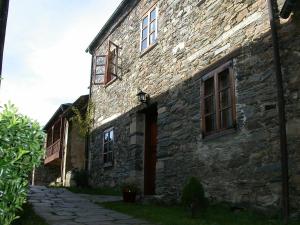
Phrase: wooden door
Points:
(150, 151)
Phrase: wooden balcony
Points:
(53, 152)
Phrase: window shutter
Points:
(112, 64)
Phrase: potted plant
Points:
(129, 190)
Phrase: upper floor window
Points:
(108, 141)
(149, 29)
(218, 100)
(106, 66)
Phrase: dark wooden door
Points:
(150, 151)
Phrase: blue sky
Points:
(45, 63)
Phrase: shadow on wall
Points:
(242, 166)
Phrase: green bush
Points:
(21, 149)
(81, 178)
(193, 196)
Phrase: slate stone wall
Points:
(243, 165)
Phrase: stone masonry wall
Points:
(242, 166)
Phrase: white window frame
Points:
(109, 163)
(148, 34)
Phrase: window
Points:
(106, 66)
(218, 100)
(149, 29)
(108, 141)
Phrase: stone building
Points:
(207, 69)
(65, 147)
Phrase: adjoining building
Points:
(65, 147)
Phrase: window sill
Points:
(108, 165)
(148, 49)
(110, 82)
(219, 134)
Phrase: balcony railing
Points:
(53, 151)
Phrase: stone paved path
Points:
(59, 206)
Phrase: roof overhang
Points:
(123, 7)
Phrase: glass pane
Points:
(105, 148)
(100, 60)
(224, 79)
(226, 118)
(145, 33)
(106, 137)
(209, 105)
(113, 69)
(153, 15)
(145, 22)
(110, 157)
(113, 57)
(225, 99)
(152, 38)
(152, 26)
(209, 86)
(144, 44)
(100, 69)
(105, 158)
(111, 134)
(210, 123)
(99, 78)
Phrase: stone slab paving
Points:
(59, 206)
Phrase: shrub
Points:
(81, 178)
(130, 185)
(193, 196)
(21, 149)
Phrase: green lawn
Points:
(96, 191)
(175, 215)
(28, 217)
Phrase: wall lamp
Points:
(143, 97)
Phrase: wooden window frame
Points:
(148, 27)
(109, 77)
(110, 145)
(215, 75)
(95, 69)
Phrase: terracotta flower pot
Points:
(129, 196)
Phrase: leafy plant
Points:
(130, 185)
(81, 178)
(193, 196)
(84, 120)
(21, 149)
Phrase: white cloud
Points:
(49, 66)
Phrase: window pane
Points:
(152, 26)
(209, 86)
(210, 123)
(111, 134)
(144, 34)
(224, 79)
(106, 137)
(152, 38)
(105, 146)
(110, 157)
(144, 44)
(225, 98)
(209, 105)
(99, 78)
(113, 69)
(145, 22)
(226, 118)
(105, 158)
(153, 15)
(100, 60)
(100, 69)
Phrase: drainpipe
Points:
(281, 112)
(4, 4)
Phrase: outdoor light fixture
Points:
(143, 97)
